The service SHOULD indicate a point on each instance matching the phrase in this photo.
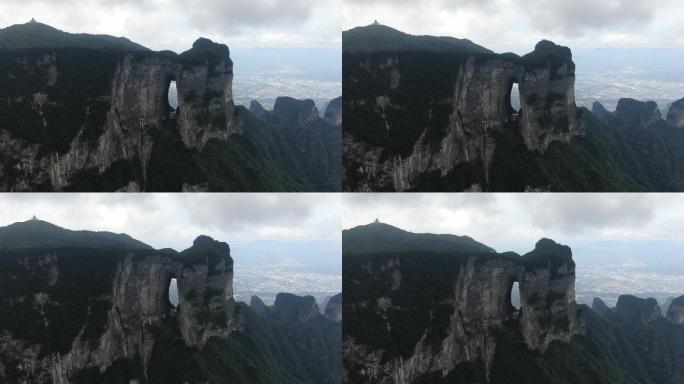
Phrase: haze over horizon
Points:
(279, 242)
(279, 48)
(622, 48)
(622, 243)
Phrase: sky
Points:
(592, 223)
(516, 25)
(175, 220)
(175, 24)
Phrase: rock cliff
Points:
(122, 323)
(676, 311)
(426, 313)
(333, 112)
(333, 310)
(123, 117)
(413, 113)
(92, 113)
(94, 307)
(675, 115)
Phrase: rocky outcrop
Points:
(257, 305)
(676, 311)
(406, 119)
(458, 316)
(333, 112)
(600, 111)
(302, 112)
(132, 311)
(634, 310)
(333, 310)
(295, 309)
(675, 114)
(258, 110)
(600, 307)
(122, 118)
(635, 113)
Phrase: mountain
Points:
(313, 144)
(37, 35)
(37, 233)
(675, 114)
(91, 113)
(333, 112)
(442, 120)
(428, 314)
(378, 37)
(379, 237)
(316, 338)
(333, 309)
(93, 307)
(646, 346)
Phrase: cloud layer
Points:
(175, 24)
(497, 219)
(518, 24)
(174, 220)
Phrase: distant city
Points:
(267, 281)
(610, 283)
(609, 88)
(265, 87)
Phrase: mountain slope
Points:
(38, 35)
(93, 307)
(420, 313)
(91, 113)
(423, 119)
(377, 37)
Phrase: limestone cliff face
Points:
(675, 115)
(333, 310)
(676, 311)
(133, 309)
(455, 318)
(333, 113)
(635, 310)
(122, 119)
(408, 119)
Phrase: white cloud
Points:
(496, 219)
(517, 25)
(175, 24)
(174, 220)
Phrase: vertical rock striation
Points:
(123, 118)
(676, 311)
(413, 112)
(419, 313)
(132, 310)
(675, 115)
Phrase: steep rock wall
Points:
(413, 328)
(133, 309)
(412, 114)
(675, 115)
(122, 117)
(676, 311)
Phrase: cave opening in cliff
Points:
(513, 100)
(172, 299)
(513, 300)
(170, 102)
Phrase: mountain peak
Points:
(34, 34)
(379, 37)
(35, 233)
(381, 237)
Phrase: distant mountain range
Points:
(94, 307)
(425, 313)
(90, 113)
(435, 114)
